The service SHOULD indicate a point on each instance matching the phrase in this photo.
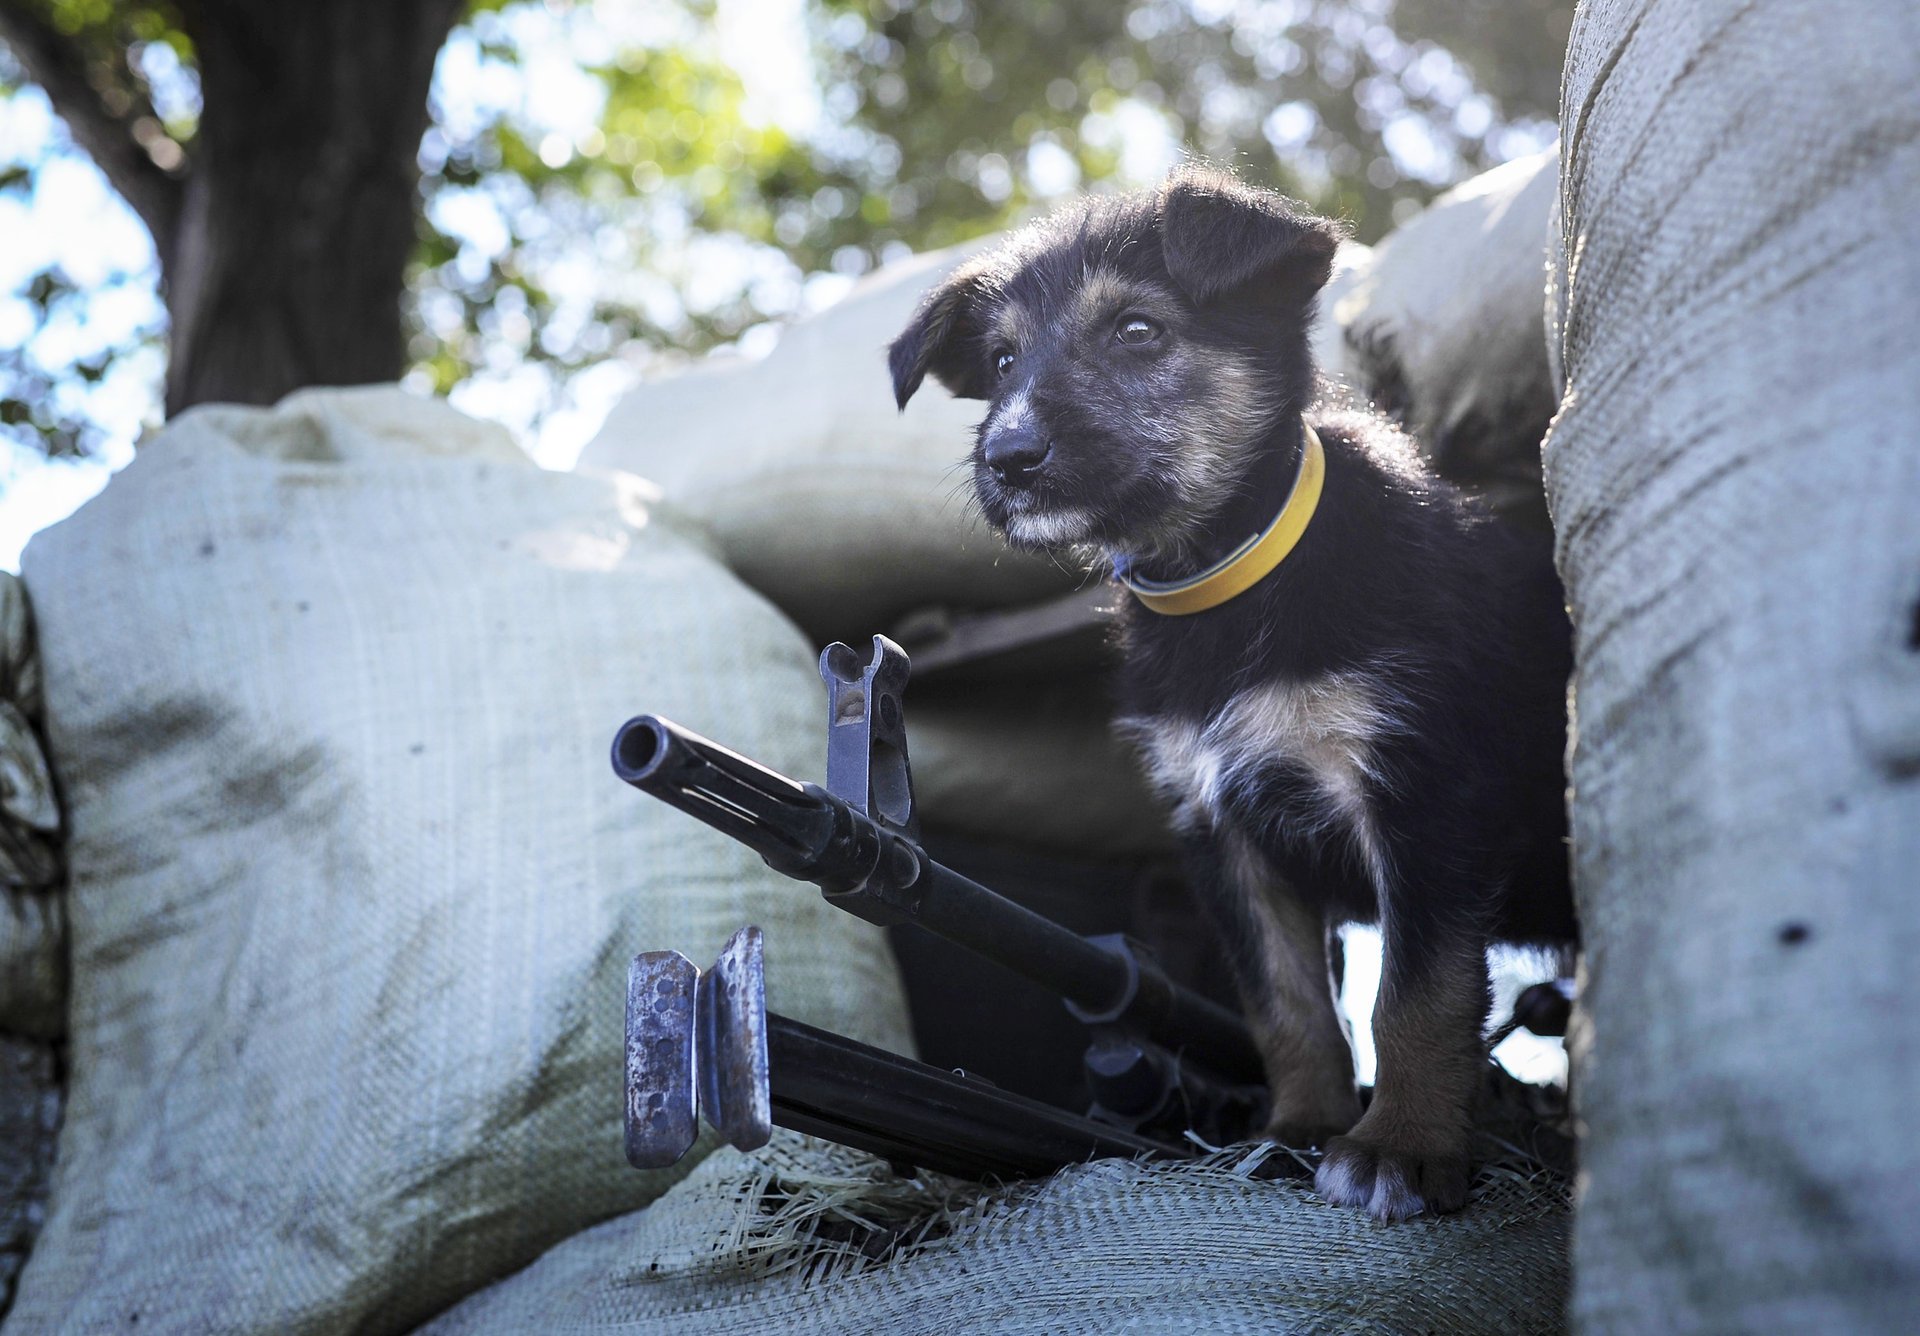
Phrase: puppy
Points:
(1346, 680)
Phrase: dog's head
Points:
(1134, 352)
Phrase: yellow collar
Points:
(1251, 562)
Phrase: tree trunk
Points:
(288, 261)
(1735, 478)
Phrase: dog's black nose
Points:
(1016, 456)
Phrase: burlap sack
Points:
(1033, 764)
(1111, 1246)
(1735, 472)
(33, 986)
(29, 1116)
(354, 889)
(1441, 326)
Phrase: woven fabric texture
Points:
(1442, 326)
(1110, 1246)
(354, 888)
(1735, 476)
(29, 1118)
(33, 986)
(1033, 763)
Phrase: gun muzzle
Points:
(801, 830)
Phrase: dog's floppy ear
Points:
(942, 338)
(1219, 234)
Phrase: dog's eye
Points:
(1001, 361)
(1137, 329)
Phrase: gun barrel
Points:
(785, 822)
(805, 832)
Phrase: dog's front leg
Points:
(1276, 947)
(1410, 1153)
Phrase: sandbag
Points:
(807, 1238)
(1442, 326)
(1735, 476)
(33, 986)
(353, 886)
(29, 1116)
(1326, 337)
(1033, 763)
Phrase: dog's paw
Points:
(1301, 1136)
(1391, 1183)
(1312, 1114)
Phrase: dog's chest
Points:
(1301, 754)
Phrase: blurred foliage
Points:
(46, 406)
(44, 396)
(1318, 100)
(1514, 47)
(675, 220)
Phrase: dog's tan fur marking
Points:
(1102, 295)
(1303, 1041)
(1015, 327)
(1427, 1033)
(1219, 408)
(1329, 727)
(1011, 412)
(1049, 528)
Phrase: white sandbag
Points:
(1327, 337)
(29, 1117)
(1196, 1246)
(844, 511)
(1033, 763)
(354, 888)
(33, 985)
(1735, 473)
(1442, 325)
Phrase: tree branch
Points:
(59, 65)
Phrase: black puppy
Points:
(1349, 683)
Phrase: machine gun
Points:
(1161, 1060)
